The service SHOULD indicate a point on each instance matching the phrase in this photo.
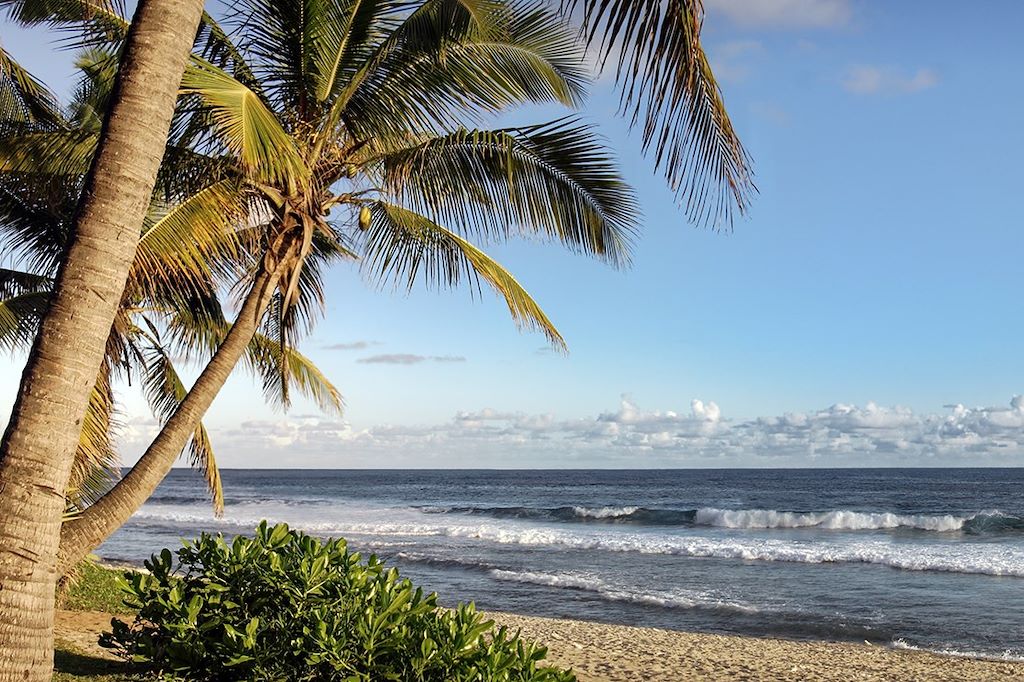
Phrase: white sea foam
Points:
(604, 512)
(973, 558)
(577, 582)
(959, 653)
(599, 587)
(985, 559)
(835, 520)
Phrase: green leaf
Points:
(404, 246)
(247, 127)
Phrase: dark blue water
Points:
(930, 558)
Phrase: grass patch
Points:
(94, 588)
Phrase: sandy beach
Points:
(615, 653)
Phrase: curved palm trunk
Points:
(84, 533)
(38, 446)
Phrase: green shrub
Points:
(285, 606)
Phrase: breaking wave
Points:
(972, 558)
(983, 522)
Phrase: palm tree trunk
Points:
(84, 533)
(38, 447)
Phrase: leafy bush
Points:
(285, 606)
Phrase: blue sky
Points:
(874, 286)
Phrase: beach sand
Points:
(616, 653)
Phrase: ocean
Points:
(917, 558)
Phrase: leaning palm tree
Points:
(350, 132)
(170, 308)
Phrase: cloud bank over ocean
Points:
(705, 436)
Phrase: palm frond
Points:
(185, 246)
(164, 391)
(554, 180)
(214, 45)
(403, 246)
(23, 98)
(87, 23)
(246, 126)
(48, 154)
(96, 464)
(442, 68)
(98, 72)
(34, 220)
(340, 28)
(668, 89)
(18, 283)
(20, 316)
(281, 367)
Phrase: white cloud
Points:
(840, 435)
(352, 345)
(408, 359)
(784, 13)
(731, 61)
(872, 80)
(771, 113)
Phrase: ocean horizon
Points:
(923, 558)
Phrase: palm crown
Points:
(346, 130)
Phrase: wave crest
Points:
(841, 519)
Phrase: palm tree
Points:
(38, 447)
(666, 86)
(170, 307)
(329, 161)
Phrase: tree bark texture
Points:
(38, 447)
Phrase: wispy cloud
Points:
(874, 80)
(409, 359)
(784, 13)
(839, 435)
(731, 61)
(353, 345)
(770, 112)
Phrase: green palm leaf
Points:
(86, 22)
(96, 465)
(18, 283)
(444, 66)
(187, 245)
(19, 319)
(404, 246)
(554, 180)
(282, 367)
(246, 126)
(667, 87)
(23, 99)
(164, 390)
(50, 154)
